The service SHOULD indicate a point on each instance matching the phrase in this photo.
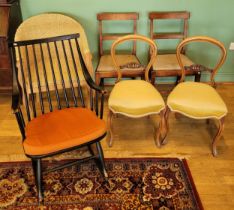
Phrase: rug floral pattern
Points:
(144, 184)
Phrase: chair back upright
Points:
(109, 16)
(33, 56)
(48, 25)
(198, 67)
(181, 16)
(132, 66)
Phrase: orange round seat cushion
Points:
(62, 129)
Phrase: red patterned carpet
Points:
(152, 183)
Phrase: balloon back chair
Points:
(50, 25)
(198, 100)
(60, 121)
(135, 98)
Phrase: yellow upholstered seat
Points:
(169, 61)
(197, 100)
(135, 98)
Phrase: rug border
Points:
(183, 160)
(193, 184)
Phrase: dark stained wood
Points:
(10, 18)
(168, 36)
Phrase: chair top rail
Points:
(169, 15)
(43, 40)
(118, 16)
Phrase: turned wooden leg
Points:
(217, 136)
(101, 163)
(109, 127)
(37, 169)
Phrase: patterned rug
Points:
(143, 183)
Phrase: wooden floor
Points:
(190, 139)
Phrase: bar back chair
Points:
(50, 25)
(135, 98)
(166, 64)
(60, 121)
(198, 100)
(105, 68)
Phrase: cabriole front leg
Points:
(110, 129)
(217, 136)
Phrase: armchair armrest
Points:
(88, 77)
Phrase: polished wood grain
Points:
(10, 17)
(156, 33)
(188, 138)
(102, 73)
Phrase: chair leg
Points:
(158, 132)
(178, 80)
(90, 150)
(110, 129)
(37, 169)
(217, 136)
(197, 77)
(166, 117)
(101, 163)
(102, 82)
(163, 128)
(152, 80)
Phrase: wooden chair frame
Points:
(159, 136)
(108, 16)
(212, 76)
(16, 105)
(177, 15)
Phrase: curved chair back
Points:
(132, 37)
(200, 67)
(71, 96)
(51, 25)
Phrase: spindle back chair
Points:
(60, 122)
